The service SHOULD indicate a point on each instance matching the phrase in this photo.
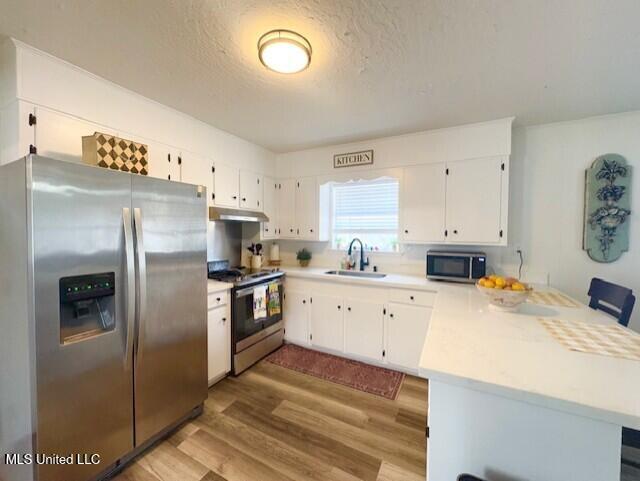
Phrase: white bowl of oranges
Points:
(504, 293)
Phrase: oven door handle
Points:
(249, 290)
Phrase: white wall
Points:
(546, 196)
(50, 82)
(546, 212)
(484, 139)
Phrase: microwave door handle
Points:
(131, 283)
(141, 281)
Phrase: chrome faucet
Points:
(363, 263)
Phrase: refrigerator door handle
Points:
(141, 281)
(131, 283)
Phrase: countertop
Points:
(512, 355)
(390, 280)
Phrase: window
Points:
(367, 210)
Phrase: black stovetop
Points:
(239, 276)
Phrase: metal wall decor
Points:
(351, 159)
(607, 208)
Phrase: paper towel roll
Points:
(274, 253)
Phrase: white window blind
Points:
(368, 210)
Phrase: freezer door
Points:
(80, 224)
(170, 221)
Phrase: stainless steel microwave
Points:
(456, 266)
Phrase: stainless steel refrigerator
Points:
(103, 314)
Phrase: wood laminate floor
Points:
(274, 424)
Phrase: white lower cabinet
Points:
(218, 337)
(371, 324)
(405, 334)
(296, 317)
(327, 322)
(364, 328)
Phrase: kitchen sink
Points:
(366, 275)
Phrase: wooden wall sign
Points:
(352, 159)
(607, 208)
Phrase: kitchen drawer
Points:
(418, 298)
(219, 298)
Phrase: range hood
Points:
(238, 215)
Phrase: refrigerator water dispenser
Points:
(87, 306)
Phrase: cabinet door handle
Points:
(406, 231)
(349, 309)
(338, 307)
(244, 199)
(304, 301)
(310, 230)
(411, 297)
(218, 299)
(455, 231)
(234, 197)
(391, 315)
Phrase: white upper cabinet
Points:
(327, 322)
(196, 170)
(364, 328)
(269, 229)
(226, 185)
(306, 208)
(302, 210)
(251, 190)
(59, 136)
(163, 159)
(422, 206)
(287, 209)
(477, 191)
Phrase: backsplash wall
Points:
(410, 261)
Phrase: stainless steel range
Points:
(255, 332)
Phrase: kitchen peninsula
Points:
(512, 399)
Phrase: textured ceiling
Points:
(379, 67)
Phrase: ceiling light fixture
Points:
(284, 51)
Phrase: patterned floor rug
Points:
(357, 375)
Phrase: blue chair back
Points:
(613, 299)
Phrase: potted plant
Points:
(303, 256)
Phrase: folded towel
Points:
(259, 303)
(274, 300)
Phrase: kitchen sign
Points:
(352, 159)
